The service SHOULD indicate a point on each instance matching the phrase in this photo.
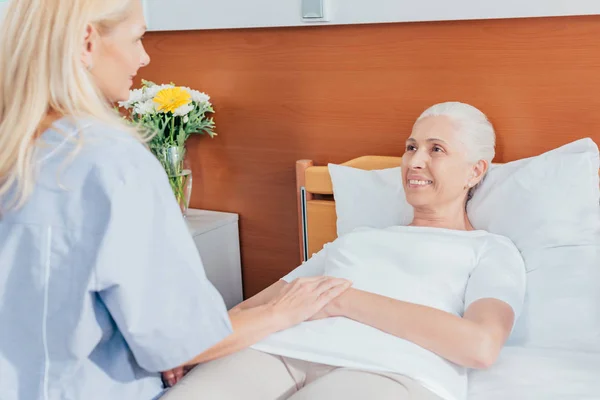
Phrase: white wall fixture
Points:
(227, 14)
(316, 10)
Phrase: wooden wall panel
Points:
(334, 93)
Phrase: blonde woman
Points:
(101, 287)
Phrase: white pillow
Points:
(549, 206)
(364, 198)
(542, 202)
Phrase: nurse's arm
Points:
(278, 307)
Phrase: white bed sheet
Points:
(538, 374)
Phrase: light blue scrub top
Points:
(101, 285)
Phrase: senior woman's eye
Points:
(410, 147)
(437, 149)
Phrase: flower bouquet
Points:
(172, 114)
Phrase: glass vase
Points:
(172, 158)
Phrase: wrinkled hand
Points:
(172, 376)
(304, 298)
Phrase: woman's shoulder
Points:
(91, 134)
(500, 249)
(496, 240)
(98, 145)
(96, 153)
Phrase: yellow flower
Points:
(170, 99)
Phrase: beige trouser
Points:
(253, 375)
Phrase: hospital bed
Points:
(549, 205)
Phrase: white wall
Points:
(213, 14)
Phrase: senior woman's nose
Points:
(418, 160)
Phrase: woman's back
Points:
(87, 266)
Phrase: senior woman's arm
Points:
(493, 298)
(473, 341)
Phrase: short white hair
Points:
(476, 131)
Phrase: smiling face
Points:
(436, 170)
(115, 57)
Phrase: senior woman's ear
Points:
(480, 168)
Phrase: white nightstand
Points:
(217, 238)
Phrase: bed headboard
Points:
(316, 204)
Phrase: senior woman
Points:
(429, 300)
(101, 287)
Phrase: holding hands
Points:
(286, 305)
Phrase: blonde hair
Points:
(41, 73)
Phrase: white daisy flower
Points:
(197, 97)
(183, 110)
(144, 108)
(200, 97)
(135, 96)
